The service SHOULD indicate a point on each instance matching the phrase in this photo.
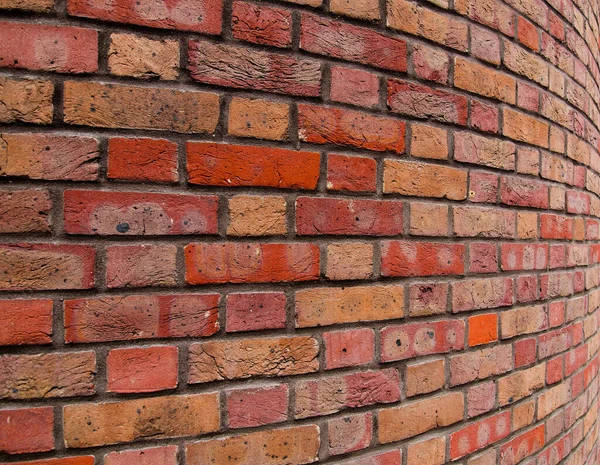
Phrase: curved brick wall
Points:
(351, 232)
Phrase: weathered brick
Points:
(244, 358)
(520, 384)
(472, 148)
(556, 227)
(425, 102)
(255, 311)
(25, 322)
(142, 369)
(322, 125)
(41, 156)
(481, 398)
(403, 258)
(124, 106)
(354, 86)
(142, 160)
(525, 63)
(483, 187)
(427, 299)
(524, 256)
(318, 216)
(26, 100)
(141, 266)
(525, 128)
(475, 294)
(78, 460)
(123, 318)
(523, 193)
(261, 24)
(480, 364)
(41, 6)
(483, 257)
(330, 394)
(427, 219)
(57, 374)
(328, 306)
(39, 424)
(430, 63)
(484, 222)
(424, 377)
(352, 43)
(240, 67)
(296, 445)
(528, 97)
(349, 348)
(524, 320)
(256, 216)
(349, 260)
(142, 57)
(431, 451)
(349, 434)
(203, 16)
(417, 339)
(250, 262)
(485, 44)
(134, 213)
(257, 406)
(24, 211)
(164, 455)
(421, 179)
(259, 119)
(89, 425)
(429, 142)
(28, 267)
(211, 164)
(478, 79)
(478, 435)
(66, 49)
(362, 9)
(414, 418)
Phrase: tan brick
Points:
(259, 119)
(429, 142)
(424, 377)
(429, 451)
(521, 384)
(349, 260)
(142, 57)
(525, 128)
(523, 415)
(328, 306)
(428, 219)
(527, 225)
(26, 100)
(484, 222)
(257, 216)
(524, 320)
(363, 9)
(479, 79)
(480, 364)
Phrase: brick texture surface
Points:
(348, 232)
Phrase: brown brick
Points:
(24, 210)
(294, 446)
(244, 358)
(32, 5)
(141, 266)
(89, 425)
(124, 106)
(142, 57)
(26, 100)
(257, 216)
(47, 375)
(259, 119)
(328, 306)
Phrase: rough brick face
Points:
(343, 232)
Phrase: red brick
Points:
(427, 299)
(257, 406)
(187, 15)
(425, 102)
(330, 394)
(79, 460)
(25, 211)
(575, 359)
(525, 352)
(251, 262)
(483, 257)
(142, 160)
(37, 422)
(321, 125)
(485, 44)
(240, 67)
(393, 457)
(483, 329)
(90, 425)
(523, 193)
(554, 370)
(356, 174)
(46, 267)
(349, 434)
(478, 435)
(528, 34)
(133, 213)
(255, 311)
(141, 266)
(352, 43)
(42, 156)
(430, 63)
(165, 455)
(528, 97)
(402, 258)
(48, 48)
(484, 117)
(317, 216)
(349, 348)
(483, 187)
(25, 322)
(211, 164)
(246, 358)
(134, 107)
(47, 375)
(124, 318)
(354, 86)
(556, 227)
(481, 398)
(261, 24)
(418, 339)
(523, 446)
(556, 285)
(142, 369)
(524, 256)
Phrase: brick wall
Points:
(360, 232)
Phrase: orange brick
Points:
(483, 329)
